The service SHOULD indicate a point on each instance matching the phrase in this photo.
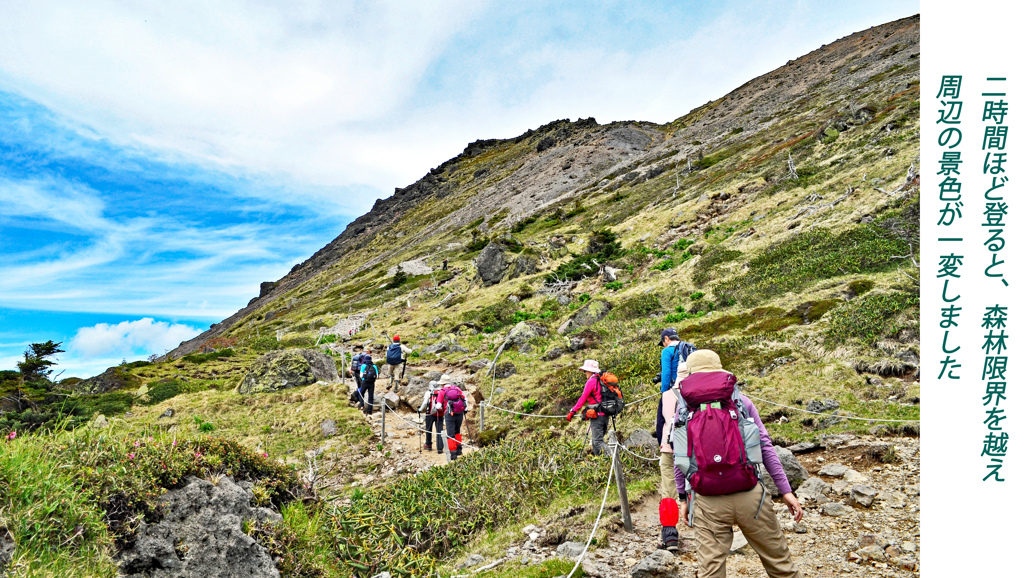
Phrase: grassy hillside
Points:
(777, 225)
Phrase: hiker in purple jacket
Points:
(716, 512)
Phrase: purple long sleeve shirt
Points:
(768, 454)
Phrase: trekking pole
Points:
(383, 419)
(420, 438)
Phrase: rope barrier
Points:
(643, 399)
(444, 432)
(625, 449)
(486, 404)
(832, 415)
(608, 485)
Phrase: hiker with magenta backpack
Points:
(433, 404)
(674, 354)
(396, 355)
(720, 445)
(368, 374)
(454, 412)
(603, 400)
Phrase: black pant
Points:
(435, 422)
(368, 396)
(453, 424)
(598, 429)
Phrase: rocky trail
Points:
(861, 518)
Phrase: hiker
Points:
(368, 374)
(714, 418)
(353, 370)
(444, 264)
(433, 405)
(592, 398)
(396, 355)
(673, 361)
(454, 412)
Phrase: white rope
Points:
(625, 449)
(608, 485)
(643, 399)
(832, 415)
(444, 432)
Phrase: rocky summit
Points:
(777, 225)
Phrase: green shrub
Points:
(397, 280)
(163, 390)
(830, 135)
(696, 296)
(529, 405)
(264, 343)
(584, 297)
(613, 286)
(860, 286)
(665, 265)
(602, 247)
(637, 306)
(300, 342)
(206, 427)
(683, 244)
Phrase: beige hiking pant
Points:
(668, 476)
(714, 517)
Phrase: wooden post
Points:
(481, 418)
(620, 481)
(383, 422)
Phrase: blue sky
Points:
(158, 161)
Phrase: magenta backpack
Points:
(717, 445)
(456, 401)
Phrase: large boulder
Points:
(795, 472)
(524, 331)
(446, 344)
(288, 368)
(201, 535)
(112, 379)
(491, 263)
(412, 392)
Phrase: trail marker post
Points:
(620, 481)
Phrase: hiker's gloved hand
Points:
(794, 506)
(569, 417)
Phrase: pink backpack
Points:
(717, 445)
(456, 401)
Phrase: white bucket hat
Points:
(591, 365)
(445, 380)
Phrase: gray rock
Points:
(854, 477)
(563, 299)
(813, 489)
(503, 370)
(872, 552)
(642, 438)
(472, 560)
(447, 344)
(7, 547)
(554, 353)
(835, 510)
(802, 447)
(795, 472)
(564, 327)
(833, 469)
(658, 564)
(329, 428)
(167, 413)
(479, 364)
(289, 368)
(523, 265)
(525, 331)
(571, 550)
(823, 406)
(413, 391)
(201, 535)
(491, 264)
(100, 422)
(112, 379)
(863, 495)
(591, 312)
(392, 400)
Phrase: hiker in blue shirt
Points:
(368, 375)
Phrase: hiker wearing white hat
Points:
(592, 398)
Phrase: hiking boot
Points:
(427, 447)
(671, 546)
(669, 539)
(440, 451)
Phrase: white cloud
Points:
(128, 338)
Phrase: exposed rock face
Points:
(7, 547)
(289, 368)
(589, 314)
(523, 265)
(412, 393)
(659, 564)
(447, 344)
(491, 264)
(112, 379)
(201, 535)
(412, 268)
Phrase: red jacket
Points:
(591, 395)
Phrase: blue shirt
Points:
(669, 366)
